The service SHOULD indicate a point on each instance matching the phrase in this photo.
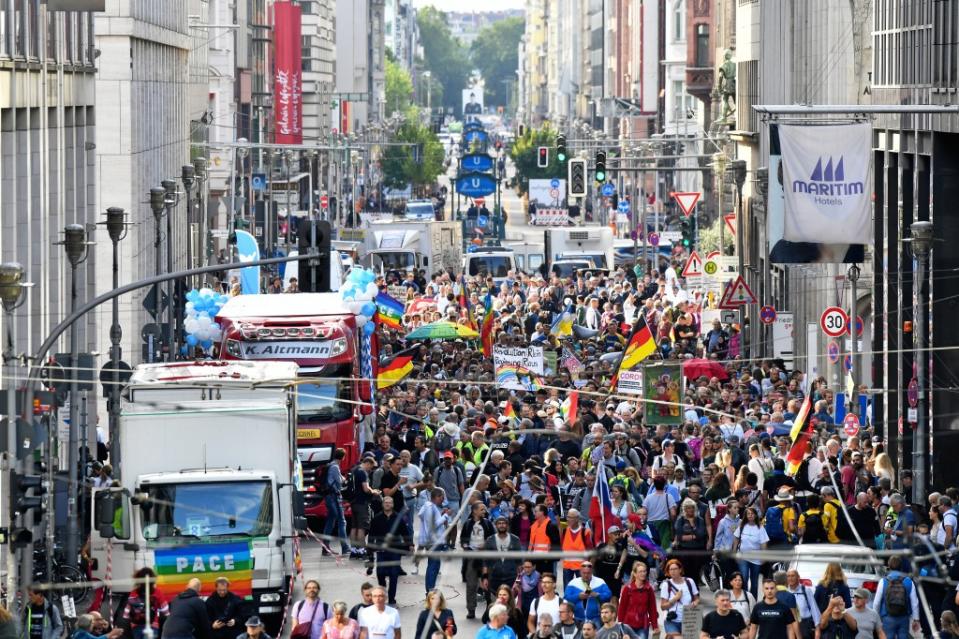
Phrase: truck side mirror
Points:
(426, 261)
(105, 509)
(299, 511)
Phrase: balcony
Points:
(700, 82)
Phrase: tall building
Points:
(360, 62)
(319, 67)
(402, 32)
(153, 90)
(48, 162)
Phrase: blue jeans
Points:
(673, 627)
(335, 525)
(896, 627)
(433, 569)
(750, 573)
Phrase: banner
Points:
(663, 383)
(528, 358)
(827, 180)
(288, 75)
(783, 251)
(176, 566)
(247, 250)
(630, 382)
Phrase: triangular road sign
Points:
(730, 219)
(736, 294)
(686, 201)
(694, 265)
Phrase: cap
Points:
(862, 593)
(501, 518)
(613, 529)
(369, 457)
(449, 454)
(254, 622)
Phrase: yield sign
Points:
(737, 294)
(686, 201)
(730, 219)
(694, 265)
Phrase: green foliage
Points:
(399, 88)
(524, 155)
(445, 57)
(495, 54)
(402, 166)
(709, 238)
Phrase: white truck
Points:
(569, 249)
(493, 261)
(402, 245)
(209, 482)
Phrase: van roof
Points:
(220, 372)
(284, 305)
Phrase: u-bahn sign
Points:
(476, 162)
(475, 185)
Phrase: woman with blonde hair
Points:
(435, 616)
(884, 468)
(832, 584)
(340, 626)
(724, 459)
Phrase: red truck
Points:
(319, 333)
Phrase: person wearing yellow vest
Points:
(576, 539)
(543, 537)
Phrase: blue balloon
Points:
(207, 344)
(369, 328)
(191, 339)
(192, 295)
(348, 293)
(368, 309)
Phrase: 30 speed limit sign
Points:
(834, 321)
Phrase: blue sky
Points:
(459, 5)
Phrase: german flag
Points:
(394, 372)
(639, 346)
(800, 435)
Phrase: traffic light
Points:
(576, 174)
(542, 157)
(561, 148)
(601, 166)
(688, 231)
(20, 484)
(313, 238)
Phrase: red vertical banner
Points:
(287, 73)
(344, 117)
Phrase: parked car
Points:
(860, 565)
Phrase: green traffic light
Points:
(600, 176)
(561, 156)
(685, 242)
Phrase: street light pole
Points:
(117, 228)
(12, 290)
(738, 168)
(853, 275)
(157, 204)
(204, 253)
(921, 247)
(188, 177)
(75, 243)
(169, 203)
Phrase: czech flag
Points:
(570, 407)
(486, 330)
(394, 372)
(639, 346)
(389, 310)
(601, 506)
(800, 435)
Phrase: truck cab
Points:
(489, 261)
(580, 247)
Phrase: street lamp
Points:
(158, 205)
(204, 238)
(188, 177)
(117, 228)
(853, 274)
(169, 202)
(737, 169)
(921, 247)
(12, 289)
(75, 244)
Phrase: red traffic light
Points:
(542, 159)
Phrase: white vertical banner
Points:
(827, 179)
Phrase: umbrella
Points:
(694, 368)
(443, 330)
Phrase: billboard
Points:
(473, 101)
(288, 77)
(784, 251)
(548, 194)
(664, 384)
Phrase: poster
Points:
(663, 383)
(526, 357)
(473, 101)
(548, 194)
(782, 251)
(288, 76)
(630, 382)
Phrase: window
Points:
(207, 509)
(679, 20)
(702, 45)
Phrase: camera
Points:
(671, 615)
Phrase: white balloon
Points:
(372, 290)
(356, 307)
(361, 321)
(190, 308)
(191, 325)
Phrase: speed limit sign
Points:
(834, 321)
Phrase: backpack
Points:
(442, 442)
(322, 483)
(896, 597)
(350, 489)
(815, 530)
(802, 477)
(138, 613)
(774, 525)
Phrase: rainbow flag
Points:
(570, 407)
(177, 565)
(486, 330)
(510, 410)
(465, 302)
(389, 310)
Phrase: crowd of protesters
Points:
(699, 493)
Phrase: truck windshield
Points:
(208, 509)
(493, 265)
(392, 261)
(568, 269)
(420, 211)
(318, 401)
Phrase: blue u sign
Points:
(478, 136)
(477, 162)
(475, 185)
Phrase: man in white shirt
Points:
(809, 614)
(434, 521)
(379, 621)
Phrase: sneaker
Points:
(416, 569)
(471, 615)
(369, 570)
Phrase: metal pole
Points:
(157, 199)
(853, 274)
(116, 352)
(921, 243)
(169, 204)
(73, 527)
(10, 364)
(739, 174)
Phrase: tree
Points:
(417, 165)
(495, 54)
(445, 56)
(525, 156)
(399, 88)
(709, 238)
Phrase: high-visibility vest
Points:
(574, 543)
(538, 539)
